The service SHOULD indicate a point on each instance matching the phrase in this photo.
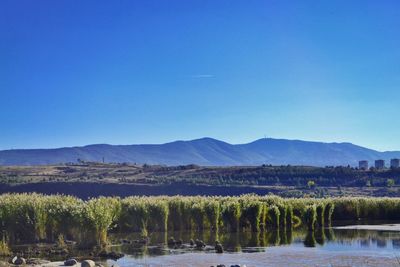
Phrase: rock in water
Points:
(88, 263)
(171, 242)
(218, 247)
(110, 255)
(17, 260)
(200, 243)
(36, 261)
(70, 262)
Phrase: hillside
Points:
(94, 179)
(205, 152)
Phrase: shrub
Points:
(329, 208)
(197, 214)
(212, 211)
(101, 214)
(231, 213)
(273, 217)
(251, 214)
(134, 215)
(320, 210)
(310, 217)
(158, 215)
(4, 248)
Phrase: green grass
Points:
(33, 217)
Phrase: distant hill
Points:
(205, 151)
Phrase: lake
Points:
(332, 247)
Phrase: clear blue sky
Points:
(124, 72)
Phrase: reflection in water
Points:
(309, 240)
(396, 243)
(381, 243)
(327, 238)
(232, 242)
(365, 243)
(320, 236)
(330, 235)
(274, 238)
(324, 240)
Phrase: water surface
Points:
(331, 247)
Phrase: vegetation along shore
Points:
(28, 218)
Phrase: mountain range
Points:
(206, 152)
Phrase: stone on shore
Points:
(88, 263)
(70, 262)
(17, 260)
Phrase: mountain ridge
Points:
(205, 151)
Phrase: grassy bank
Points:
(34, 217)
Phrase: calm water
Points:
(331, 247)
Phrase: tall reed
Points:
(35, 217)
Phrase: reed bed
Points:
(35, 217)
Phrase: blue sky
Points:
(124, 72)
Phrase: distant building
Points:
(379, 164)
(363, 164)
(395, 163)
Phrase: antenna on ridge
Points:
(266, 143)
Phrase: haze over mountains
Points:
(205, 151)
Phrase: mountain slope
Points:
(205, 151)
